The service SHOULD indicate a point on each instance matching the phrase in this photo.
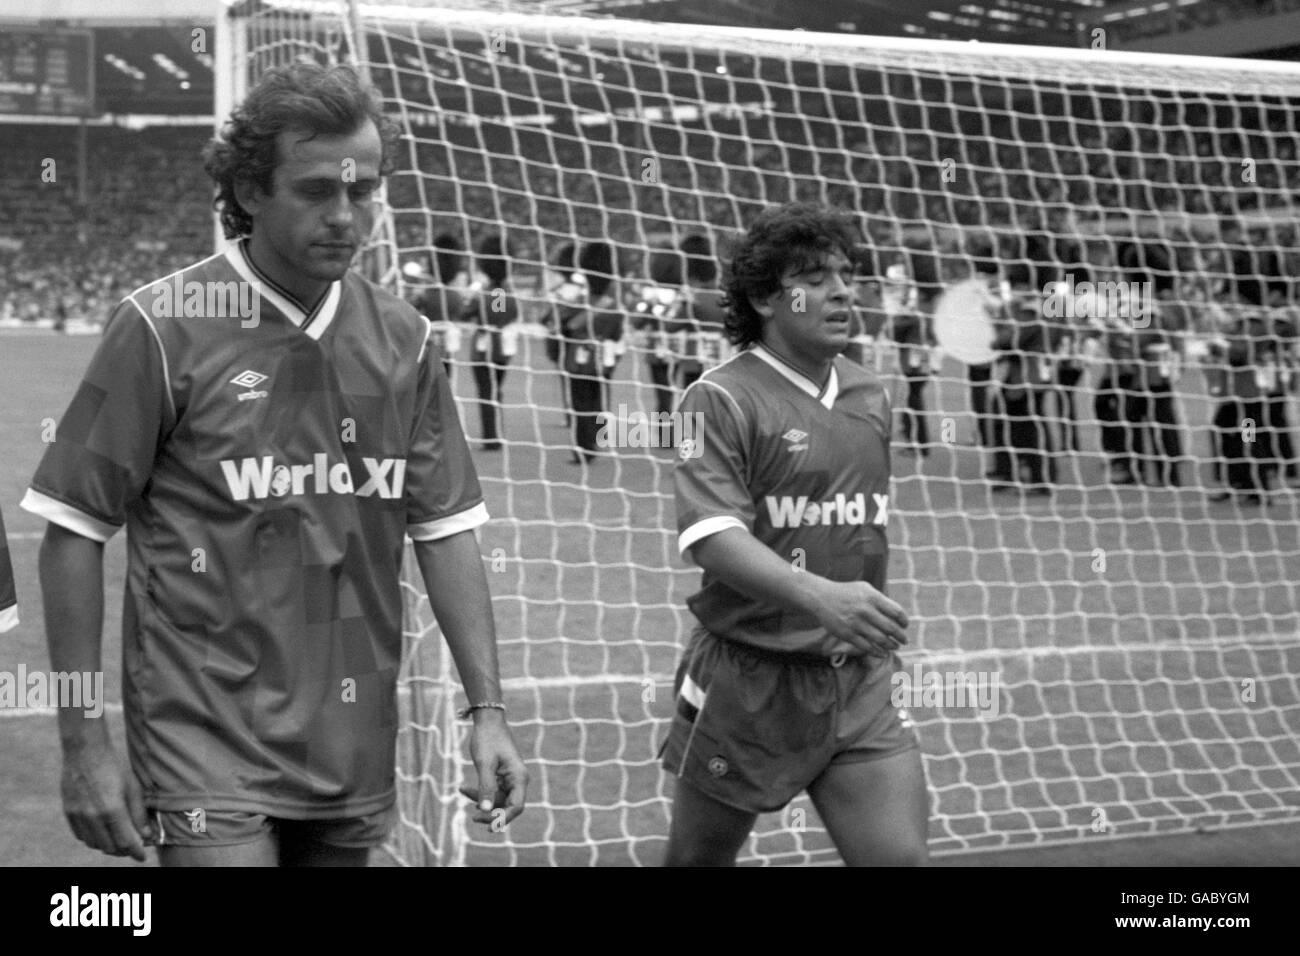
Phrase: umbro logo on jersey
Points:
(262, 478)
(789, 512)
(250, 380)
(798, 440)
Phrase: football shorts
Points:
(753, 728)
(201, 827)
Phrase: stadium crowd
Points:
(64, 258)
(1027, 200)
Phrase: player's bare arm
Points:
(851, 611)
(452, 568)
(101, 800)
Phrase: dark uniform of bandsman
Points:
(1024, 374)
(1160, 348)
(1243, 366)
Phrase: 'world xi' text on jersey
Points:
(803, 468)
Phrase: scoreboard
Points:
(47, 72)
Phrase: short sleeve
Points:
(710, 478)
(442, 490)
(106, 443)
(8, 596)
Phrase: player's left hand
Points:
(502, 777)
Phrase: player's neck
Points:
(815, 369)
(305, 291)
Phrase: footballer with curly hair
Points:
(785, 685)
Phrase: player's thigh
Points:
(261, 851)
(876, 811)
(345, 841)
(299, 851)
(216, 837)
(705, 832)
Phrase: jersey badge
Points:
(250, 380)
(798, 441)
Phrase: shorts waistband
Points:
(790, 657)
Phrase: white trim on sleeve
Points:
(452, 524)
(66, 516)
(8, 618)
(705, 528)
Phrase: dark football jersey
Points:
(266, 468)
(803, 467)
(8, 596)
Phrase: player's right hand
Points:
(104, 805)
(856, 613)
(502, 786)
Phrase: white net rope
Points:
(1145, 638)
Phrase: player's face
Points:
(320, 211)
(810, 320)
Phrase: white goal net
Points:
(1140, 640)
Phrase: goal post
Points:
(1112, 661)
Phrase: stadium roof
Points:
(108, 12)
(144, 62)
(1005, 21)
(1043, 22)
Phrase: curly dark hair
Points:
(304, 96)
(795, 238)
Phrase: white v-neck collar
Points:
(312, 323)
(826, 396)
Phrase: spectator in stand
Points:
(493, 310)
